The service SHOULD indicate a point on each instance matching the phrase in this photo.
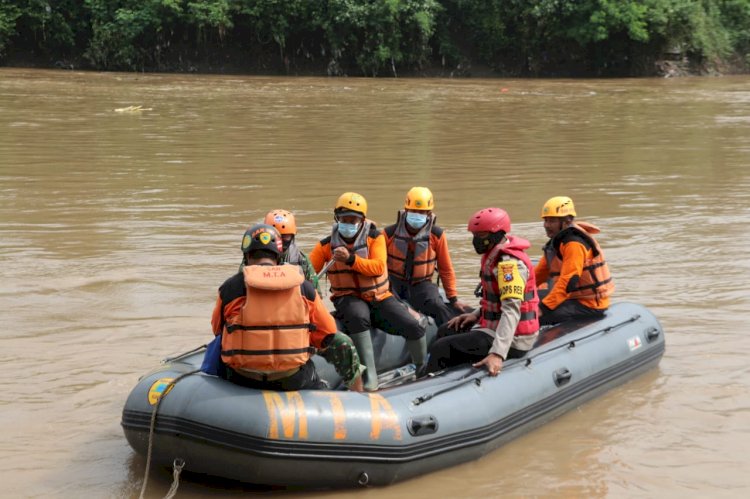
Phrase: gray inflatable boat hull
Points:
(336, 438)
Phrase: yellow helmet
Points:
(351, 201)
(558, 206)
(419, 198)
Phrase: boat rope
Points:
(572, 343)
(177, 466)
(183, 355)
(476, 377)
(178, 463)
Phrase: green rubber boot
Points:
(418, 351)
(363, 342)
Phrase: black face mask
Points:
(482, 244)
(285, 244)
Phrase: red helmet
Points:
(489, 220)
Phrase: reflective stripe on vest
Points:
(490, 303)
(345, 280)
(411, 258)
(595, 282)
(271, 333)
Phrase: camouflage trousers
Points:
(342, 353)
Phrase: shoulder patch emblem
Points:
(506, 269)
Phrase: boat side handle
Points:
(562, 376)
(423, 425)
(652, 333)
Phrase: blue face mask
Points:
(416, 220)
(348, 230)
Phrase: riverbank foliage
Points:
(379, 37)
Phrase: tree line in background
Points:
(378, 37)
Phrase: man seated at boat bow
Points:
(271, 320)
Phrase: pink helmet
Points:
(489, 220)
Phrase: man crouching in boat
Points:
(359, 284)
(506, 324)
(270, 318)
(572, 267)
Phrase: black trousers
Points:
(568, 310)
(304, 379)
(424, 297)
(453, 348)
(390, 315)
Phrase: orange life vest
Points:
(411, 258)
(596, 282)
(491, 306)
(271, 333)
(345, 280)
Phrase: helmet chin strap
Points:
(496, 237)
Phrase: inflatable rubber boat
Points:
(336, 438)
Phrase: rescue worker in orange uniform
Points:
(578, 282)
(416, 246)
(359, 284)
(285, 223)
(271, 321)
(506, 325)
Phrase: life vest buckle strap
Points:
(241, 327)
(491, 316)
(267, 376)
(528, 316)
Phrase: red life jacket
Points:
(271, 333)
(595, 282)
(411, 258)
(491, 308)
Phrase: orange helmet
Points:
(283, 221)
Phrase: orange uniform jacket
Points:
(374, 266)
(574, 254)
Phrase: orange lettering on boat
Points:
(383, 417)
(339, 416)
(290, 412)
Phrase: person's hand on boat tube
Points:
(341, 254)
(493, 362)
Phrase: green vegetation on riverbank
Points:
(380, 37)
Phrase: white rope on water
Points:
(179, 463)
(177, 466)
